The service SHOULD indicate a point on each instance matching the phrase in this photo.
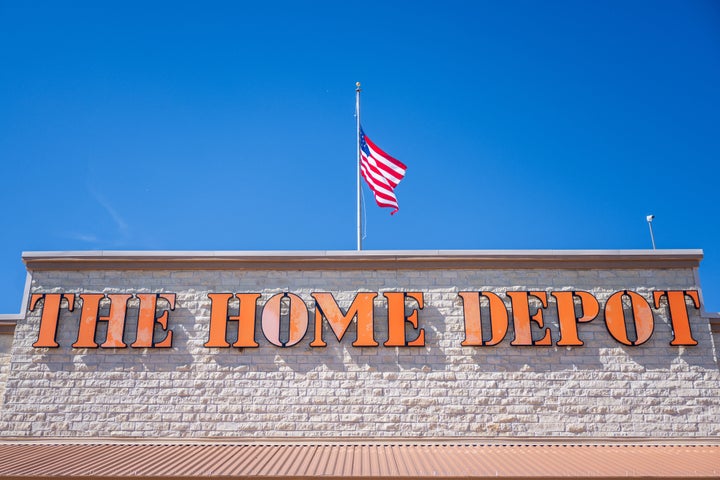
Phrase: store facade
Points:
(373, 348)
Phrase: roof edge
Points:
(365, 259)
(501, 441)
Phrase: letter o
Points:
(642, 316)
(271, 319)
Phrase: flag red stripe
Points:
(378, 175)
(391, 159)
(391, 176)
(377, 188)
(382, 195)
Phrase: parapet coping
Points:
(154, 260)
(361, 260)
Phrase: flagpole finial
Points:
(357, 84)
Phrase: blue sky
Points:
(229, 126)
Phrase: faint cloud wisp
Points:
(122, 228)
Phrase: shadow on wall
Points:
(337, 355)
(68, 359)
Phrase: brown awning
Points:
(335, 460)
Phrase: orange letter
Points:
(566, 315)
(245, 318)
(50, 316)
(642, 318)
(397, 319)
(362, 307)
(473, 320)
(679, 314)
(89, 317)
(271, 319)
(521, 318)
(147, 319)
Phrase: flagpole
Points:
(357, 121)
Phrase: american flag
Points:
(381, 172)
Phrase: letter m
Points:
(361, 307)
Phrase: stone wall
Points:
(6, 341)
(601, 389)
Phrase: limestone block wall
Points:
(442, 389)
(5, 347)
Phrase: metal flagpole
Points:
(649, 219)
(357, 121)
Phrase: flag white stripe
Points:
(381, 198)
(378, 175)
(390, 165)
(376, 187)
(383, 171)
(387, 161)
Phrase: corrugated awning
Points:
(335, 460)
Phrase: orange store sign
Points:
(285, 318)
